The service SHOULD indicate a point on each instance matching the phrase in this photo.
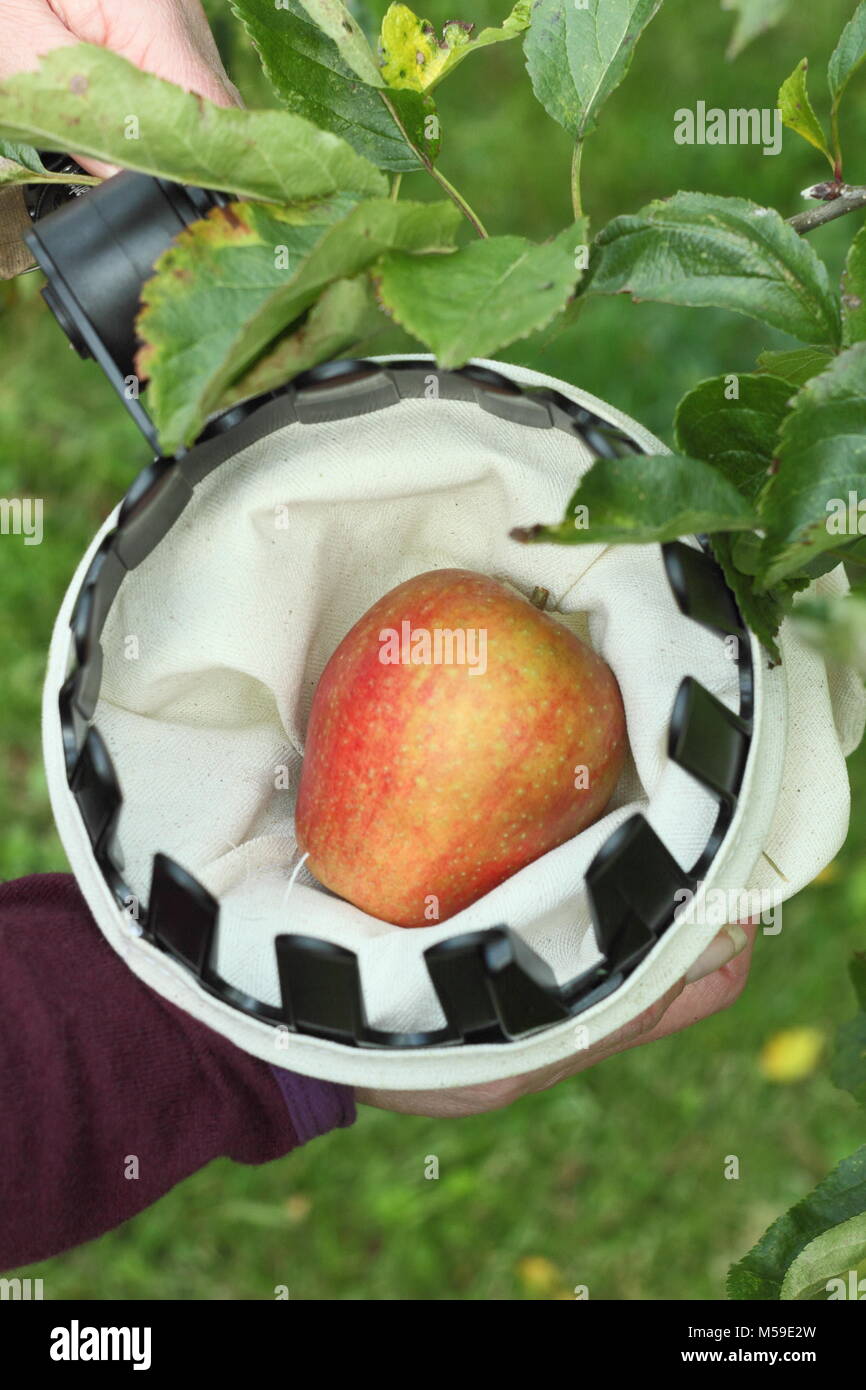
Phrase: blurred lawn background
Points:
(613, 1180)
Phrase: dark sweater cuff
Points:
(315, 1107)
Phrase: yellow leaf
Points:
(412, 55)
(297, 1208)
(792, 1055)
(537, 1274)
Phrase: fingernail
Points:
(729, 943)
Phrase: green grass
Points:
(617, 1177)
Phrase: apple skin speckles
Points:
(427, 783)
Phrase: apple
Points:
(456, 734)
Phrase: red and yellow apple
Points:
(456, 734)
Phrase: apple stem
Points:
(539, 596)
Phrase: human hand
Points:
(713, 983)
(170, 38)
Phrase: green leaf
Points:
(230, 284)
(306, 70)
(746, 551)
(13, 172)
(854, 291)
(754, 17)
(345, 314)
(825, 562)
(848, 1065)
(839, 1197)
(822, 459)
(797, 366)
(699, 249)
(798, 114)
(763, 613)
(836, 628)
(737, 436)
(22, 164)
(414, 56)
(576, 56)
(827, 1259)
(645, 498)
(79, 97)
(847, 55)
(484, 296)
(338, 25)
(25, 155)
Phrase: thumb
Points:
(30, 30)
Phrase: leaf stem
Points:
(85, 180)
(847, 198)
(836, 139)
(395, 187)
(457, 198)
(576, 161)
(434, 173)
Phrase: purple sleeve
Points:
(109, 1095)
(315, 1106)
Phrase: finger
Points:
(631, 1034)
(503, 1093)
(729, 942)
(169, 38)
(496, 1095)
(717, 979)
(709, 995)
(679, 1007)
(28, 30)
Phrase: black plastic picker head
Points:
(97, 247)
(492, 987)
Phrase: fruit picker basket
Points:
(182, 671)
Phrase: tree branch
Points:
(836, 202)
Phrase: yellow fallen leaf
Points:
(297, 1208)
(537, 1274)
(792, 1054)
